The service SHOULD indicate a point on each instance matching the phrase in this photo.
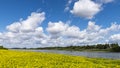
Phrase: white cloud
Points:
(113, 28)
(86, 8)
(28, 25)
(39, 33)
(60, 30)
(39, 29)
(92, 26)
(67, 8)
(57, 33)
(10, 34)
(14, 27)
(72, 31)
(114, 38)
(24, 31)
(61, 34)
(56, 28)
(32, 22)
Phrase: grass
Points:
(22, 59)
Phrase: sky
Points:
(49, 23)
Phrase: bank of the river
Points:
(28, 59)
(91, 54)
(98, 47)
(81, 50)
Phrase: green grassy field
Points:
(22, 59)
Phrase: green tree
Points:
(115, 47)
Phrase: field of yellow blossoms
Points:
(27, 59)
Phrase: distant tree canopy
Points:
(109, 47)
(1, 47)
(115, 48)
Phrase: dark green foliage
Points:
(102, 46)
(99, 47)
(114, 45)
(115, 48)
(1, 47)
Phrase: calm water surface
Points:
(110, 55)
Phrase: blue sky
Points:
(55, 19)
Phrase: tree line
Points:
(1, 47)
(114, 47)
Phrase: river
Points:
(110, 55)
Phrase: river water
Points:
(110, 55)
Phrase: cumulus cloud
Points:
(86, 8)
(114, 38)
(57, 33)
(24, 31)
(63, 33)
(92, 34)
(92, 26)
(28, 25)
(39, 32)
(72, 31)
(15, 27)
(32, 22)
(56, 28)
